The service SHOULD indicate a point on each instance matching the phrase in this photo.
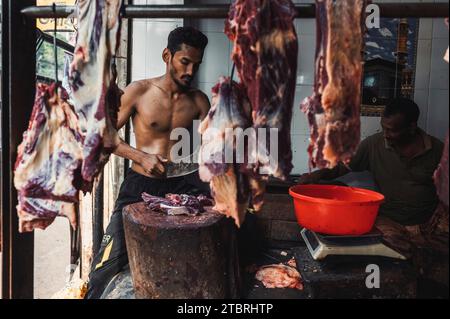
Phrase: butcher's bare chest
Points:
(157, 113)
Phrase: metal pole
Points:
(4, 210)
(387, 10)
(55, 47)
(97, 227)
(129, 79)
(18, 88)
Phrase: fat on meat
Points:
(333, 110)
(232, 188)
(67, 144)
(93, 81)
(266, 54)
(47, 173)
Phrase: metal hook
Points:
(232, 71)
(122, 10)
(55, 47)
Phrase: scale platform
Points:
(321, 246)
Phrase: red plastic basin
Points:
(336, 210)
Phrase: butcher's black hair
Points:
(408, 108)
(186, 35)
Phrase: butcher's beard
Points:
(180, 84)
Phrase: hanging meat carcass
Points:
(334, 109)
(96, 95)
(48, 166)
(233, 190)
(66, 146)
(266, 54)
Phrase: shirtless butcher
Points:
(157, 106)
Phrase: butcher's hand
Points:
(154, 165)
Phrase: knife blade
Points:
(184, 166)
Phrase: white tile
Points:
(306, 60)
(157, 44)
(370, 125)
(425, 28)
(421, 98)
(440, 29)
(217, 58)
(149, 40)
(206, 88)
(299, 120)
(423, 64)
(438, 113)
(210, 25)
(305, 26)
(139, 50)
(439, 68)
(300, 154)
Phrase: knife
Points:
(184, 166)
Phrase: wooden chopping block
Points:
(181, 257)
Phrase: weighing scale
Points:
(320, 246)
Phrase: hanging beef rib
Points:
(65, 146)
(232, 189)
(334, 109)
(48, 166)
(265, 53)
(92, 79)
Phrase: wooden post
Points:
(18, 89)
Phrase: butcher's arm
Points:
(127, 108)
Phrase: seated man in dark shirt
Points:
(402, 160)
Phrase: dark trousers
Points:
(112, 257)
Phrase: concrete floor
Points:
(51, 259)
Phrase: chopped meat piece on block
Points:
(174, 204)
(279, 276)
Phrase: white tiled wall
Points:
(431, 86)
(431, 80)
(432, 77)
(217, 61)
(149, 41)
